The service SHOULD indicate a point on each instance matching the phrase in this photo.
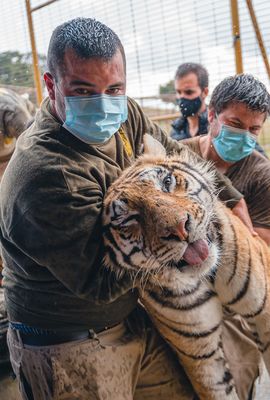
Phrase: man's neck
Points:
(193, 124)
(193, 121)
(209, 153)
(54, 112)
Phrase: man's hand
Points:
(241, 211)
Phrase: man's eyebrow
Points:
(79, 82)
(117, 84)
(92, 85)
(256, 126)
(234, 119)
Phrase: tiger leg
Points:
(207, 369)
(198, 346)
(242, 354)
(261, 331)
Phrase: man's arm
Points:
(241, 211)
(264, 233)
(63, 234)
(259, 197)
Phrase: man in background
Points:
(191, 87)
(237, 111)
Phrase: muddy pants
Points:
(113, 365)
(119, 364)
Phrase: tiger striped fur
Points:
(191, 259)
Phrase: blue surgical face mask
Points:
(95, 119)
(233, 144)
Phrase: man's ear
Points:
(205, 92)
(49, 85)
(211, 115)
(152, 146)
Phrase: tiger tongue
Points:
(196, 252)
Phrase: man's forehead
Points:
(237, 109)
(188, 80)
(241, 112)
(77, 65)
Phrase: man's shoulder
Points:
(54, 161)
(31, 169)
(137, 124)
(34, 166)
(180, 129)
(253, 179)
(257, 162)
(136, 115)
(179, 123)
(136, 119)
(251, 173)
(133, 106)
(193, 144)
(36, 146)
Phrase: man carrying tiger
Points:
(238, 108)
(73, 330)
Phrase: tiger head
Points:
(158, 217)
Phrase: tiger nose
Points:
(181, 228)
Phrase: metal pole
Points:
(258, 35)
(236, 37)
(34, 52)
(47, 3)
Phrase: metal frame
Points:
(258, 36)
(236, 37)
(36, 69)
(235, 31)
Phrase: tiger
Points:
(191, 259)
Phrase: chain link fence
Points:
(158, 35)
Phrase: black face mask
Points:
(189, 107)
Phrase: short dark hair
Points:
(242, 88)
(197, 69)
(88, 37)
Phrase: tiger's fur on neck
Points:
(191, 259)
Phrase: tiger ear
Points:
(153, 147)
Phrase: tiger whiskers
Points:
(156, 275)
(135, 278)
(148, 274)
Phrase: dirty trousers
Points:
(113, 365)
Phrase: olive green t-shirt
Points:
(251, 177)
